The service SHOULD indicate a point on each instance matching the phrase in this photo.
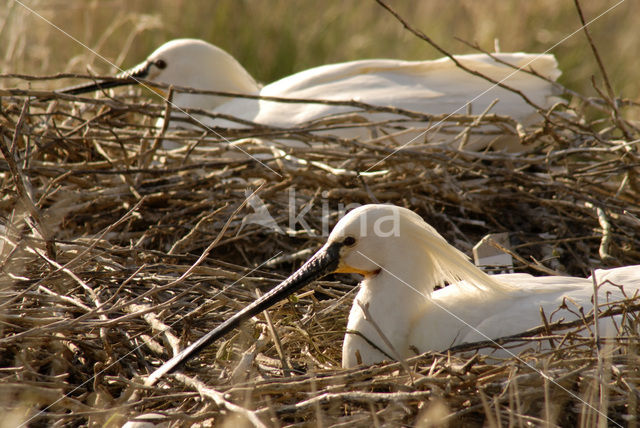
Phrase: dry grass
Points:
(273, 39)
(102, 281)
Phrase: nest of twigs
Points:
(116, 253)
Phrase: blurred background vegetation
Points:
(276, 38)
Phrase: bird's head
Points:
(190, 63)
(368, 237)
(374, 238)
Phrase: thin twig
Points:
(220, 400)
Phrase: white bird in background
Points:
(433, 87)
(403, 259)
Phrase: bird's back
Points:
(434, 87)
(459, 315)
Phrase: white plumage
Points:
(434, 87)
(402, 268)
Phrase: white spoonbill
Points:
(403, 259)
(434, 87)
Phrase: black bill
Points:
(323, 262)
(127, 77)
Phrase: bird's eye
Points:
(160, 63)
(349, 241)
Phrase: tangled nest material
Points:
(116, 253)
